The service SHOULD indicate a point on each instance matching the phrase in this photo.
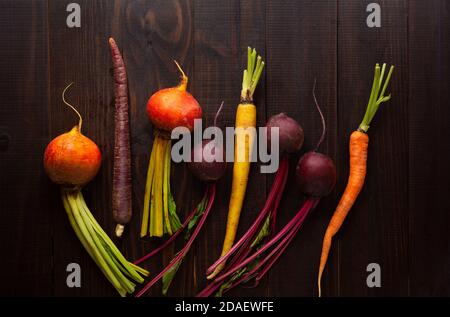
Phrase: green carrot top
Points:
(376, 95)
(255, 66)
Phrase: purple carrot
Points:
(121, 193)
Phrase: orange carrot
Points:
(359, 142)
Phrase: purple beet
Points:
(208, 169)
(290, 133)
(316, 174)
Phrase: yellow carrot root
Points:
(244, 141)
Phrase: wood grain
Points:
(400, 219)
(429, 149)
(26, 194)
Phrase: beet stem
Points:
(275, 239)
(324, 128)
(209, 289)
(217, 114)
(184, 79)
(273, 216)
(186, 248)
(172, 237)
(257, 222)
(289, 235)
(80, 122)
(245, 248)
(273, 256)
(217, 283)
(272, 262)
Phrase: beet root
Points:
(208, 169)
(291, 134)
(316, 174)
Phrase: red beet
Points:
(290, 133)
(316, 174)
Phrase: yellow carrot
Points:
(244, 140)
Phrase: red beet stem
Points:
(172, 237)
(217, 114)
(251, 231)
(182, 253)
(275, 239)
(245, 249)
(270, 258)
(273, 216)
(210, 289)
(289, 235)
(275, 258)
(324, 128)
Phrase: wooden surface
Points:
(402, 217)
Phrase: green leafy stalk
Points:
(92, 246)
(124, 281)
(377, 97)
(87, 245)
(252, 74)
(175, 222)
(198, 214)
(170, 274)
(225, 286)
(263, 232)
(102, 250)
(130, 268)
(236, 276)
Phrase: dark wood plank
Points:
(376, 229)
(429, 149)
(81, 55)
(301, 46)
(26, 201)
(401, 217)
(155, 34)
